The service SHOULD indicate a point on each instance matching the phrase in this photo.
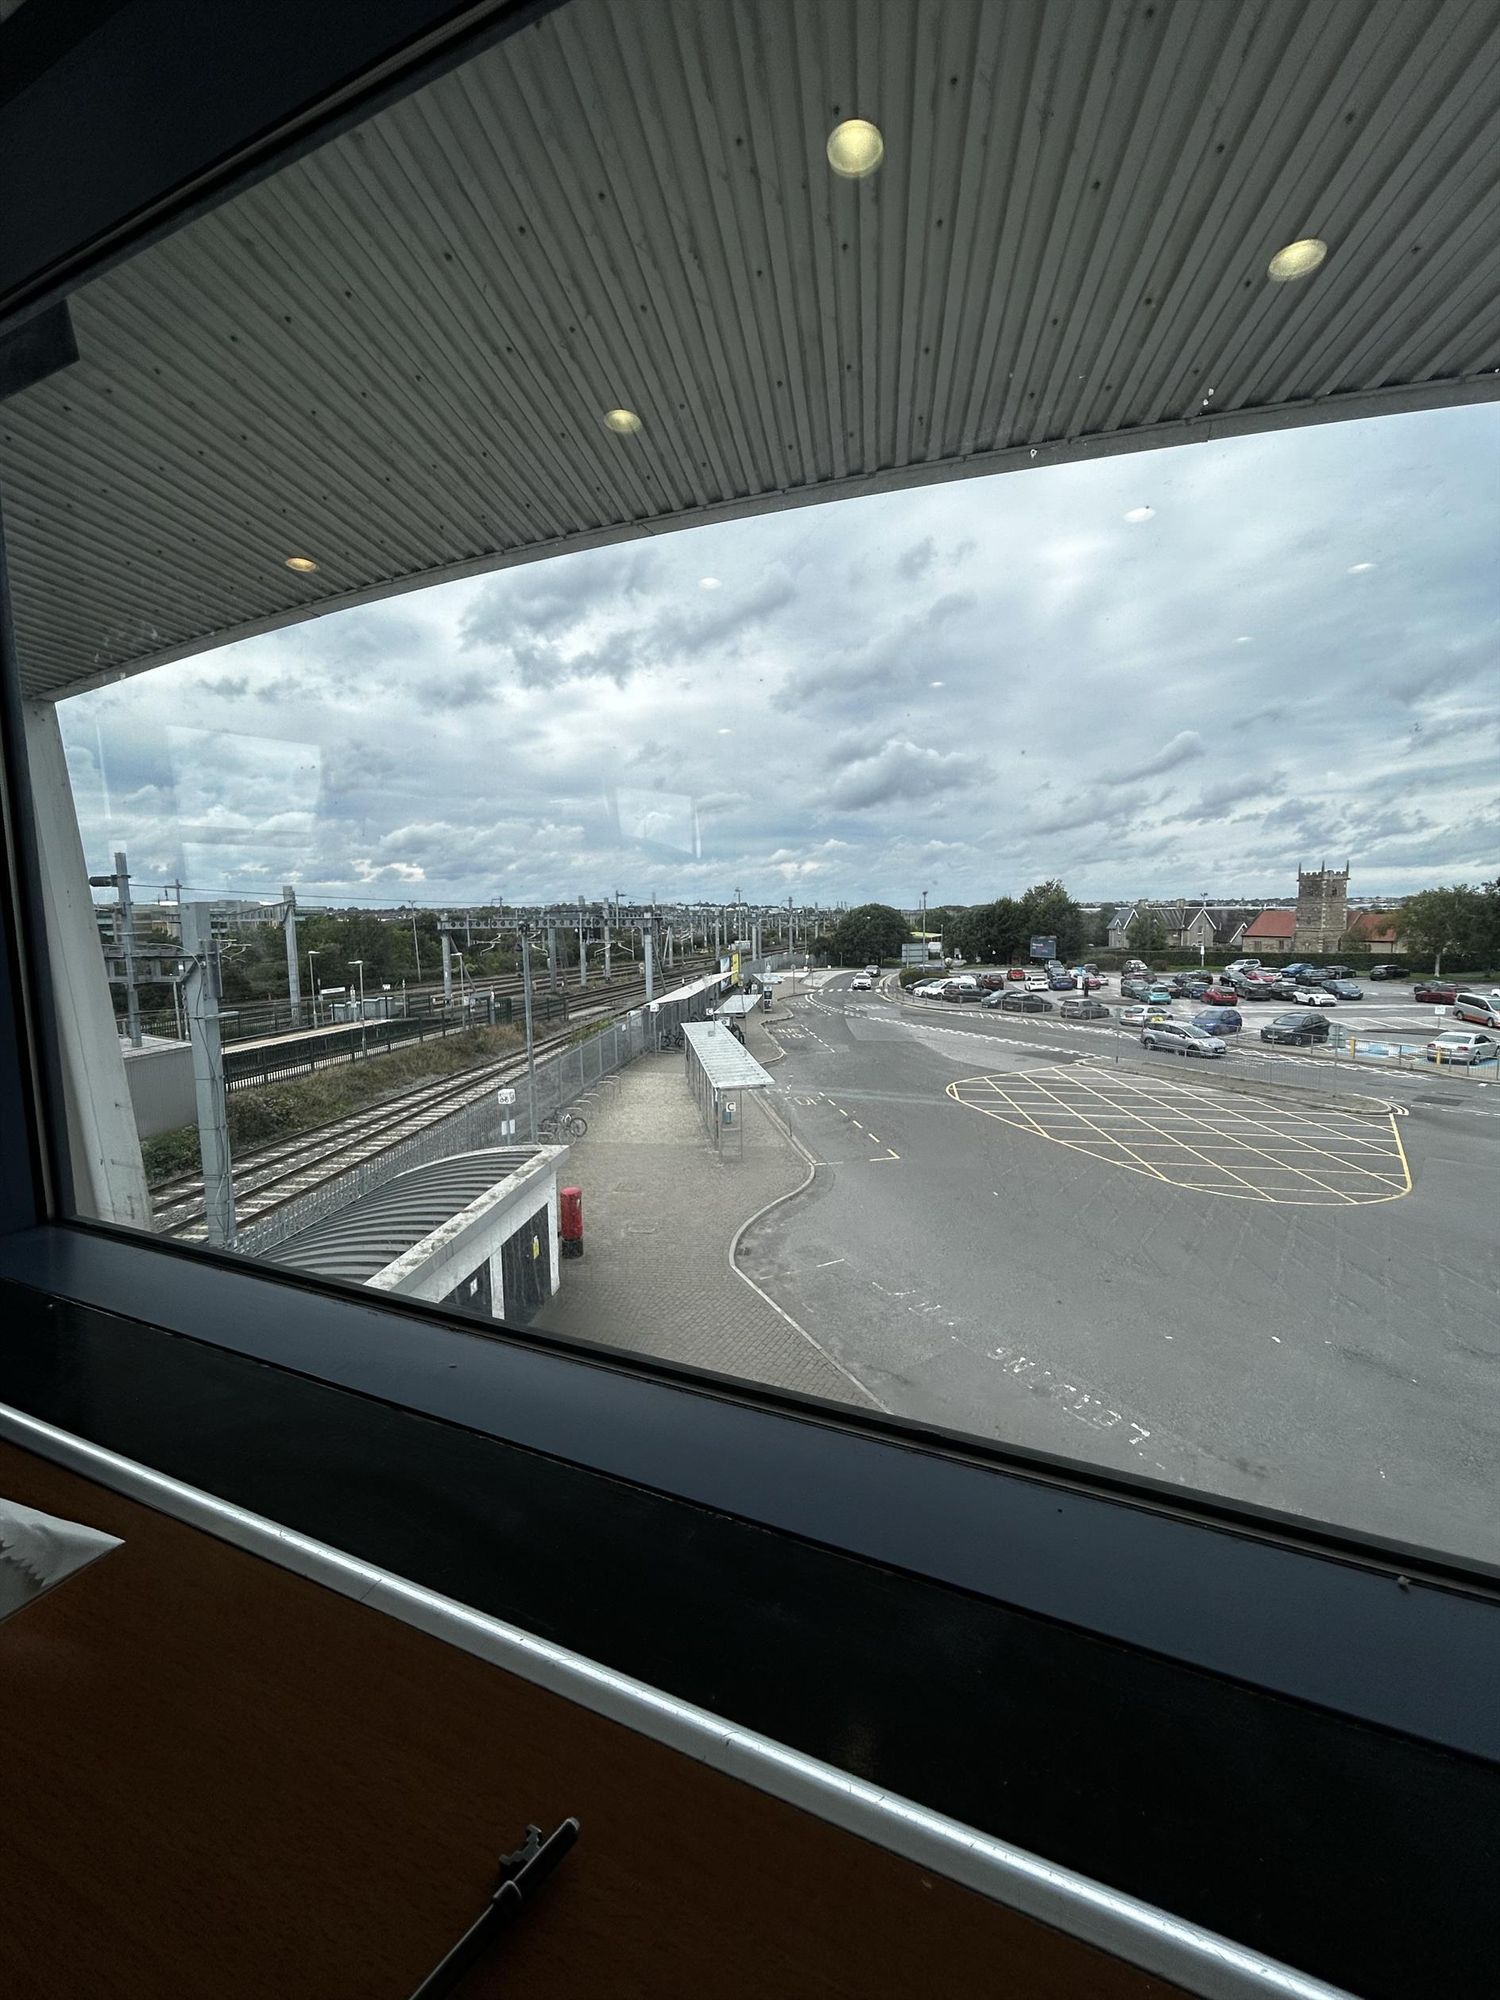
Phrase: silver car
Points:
(1181, 1038)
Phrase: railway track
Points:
(272, 1175)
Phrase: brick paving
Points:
(660, 1210)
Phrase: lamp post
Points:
(360, 965)
(312, 983)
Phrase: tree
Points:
(870, 934)
(1047, 910)
(1439, 920)
(992, 932)
(1147, 935)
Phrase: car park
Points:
(1314, 996)
(1434, 993)
(1020, 1003)
(1345, 989)
(1181, 1038)
(1080, 1009)
(1299, 1030)
(861, 982)
(1479, 1007)
(1463, 1046)
(1220, 1020)
(1388, 970)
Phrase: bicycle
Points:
(562, 1125)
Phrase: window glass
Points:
(608, 741)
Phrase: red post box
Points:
(570, 1220)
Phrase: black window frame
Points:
(1379, 1635)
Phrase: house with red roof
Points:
(1270, 933)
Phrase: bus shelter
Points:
(720, 1070)
(670, 1012)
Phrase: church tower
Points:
(1322, 908)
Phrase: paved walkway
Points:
(660, 1211)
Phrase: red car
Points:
(1221, 996)
(1017, 972)
(1434, 993)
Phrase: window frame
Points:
(1378, 1633)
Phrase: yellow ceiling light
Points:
(855, 148)
(303, 565)
(1297, 260)
(622, 422)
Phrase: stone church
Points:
(1322, 908)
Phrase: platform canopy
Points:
(723, 1058)
(395, 358)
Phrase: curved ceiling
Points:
(396, 356)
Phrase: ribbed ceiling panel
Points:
(395, 357)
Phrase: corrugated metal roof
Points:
(725, 1060)
(358, 1241)
(396, 355)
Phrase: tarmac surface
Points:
(1248, 1276)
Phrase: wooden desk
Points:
(221, 1779)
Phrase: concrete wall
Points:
(434, 1267)
(161, 1088)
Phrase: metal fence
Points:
(561, 1079)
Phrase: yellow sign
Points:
(734, 967)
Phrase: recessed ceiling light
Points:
(937, 684)
(1297, 260)
(303, 565)
(622, 422)
(1140, 513)
(1358, 569)
(726, 732)
(708, 583)
(1243, 639)
(855, 148)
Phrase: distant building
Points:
(1272, 931)
(1378, 932)
(1184, 926)
(1322, 908)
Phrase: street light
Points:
(360, 964)
(312, 983)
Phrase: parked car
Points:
(1345, 989)
(1468, 1046)
(1080, 1009)
(1220, 1020)
(1254, 989)
(1480, 1007)
(1329, 973)
(1314, 996)
(1297, 968)
(1220, 995)
(1181, 1038)
(1037, 982)
(1300, 1030)
(1389, 969)
(1136, 967)
(1062, 982)
(1434, 993)
(1133, 987)
(1159, 994)
(1286, 988)
(990, 980)
(962, 989)
(1142, 1016)
(1017, 972)
(861, 983)
(1020, 1002)
(1242, 965)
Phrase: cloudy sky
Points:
(1167, 673)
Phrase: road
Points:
(1098, 1253)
